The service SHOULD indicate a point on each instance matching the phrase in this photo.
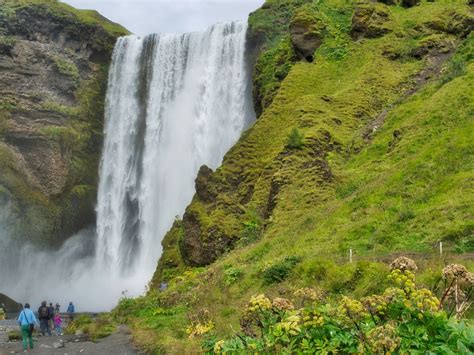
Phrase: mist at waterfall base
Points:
(174, 102)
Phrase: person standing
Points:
(27, 321)
(58, 323)
(57, 308)
(43, 315)
(70, 311)
(51, 316)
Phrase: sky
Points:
(159, 16)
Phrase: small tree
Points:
(295, 139)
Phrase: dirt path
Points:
(117, 344)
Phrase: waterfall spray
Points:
(174, 102)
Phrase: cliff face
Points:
(53, 74)
(330, 71)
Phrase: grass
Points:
(67, 68)
(401, 192)
(60, 9)
(95, 328)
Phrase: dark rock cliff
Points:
(53, 74)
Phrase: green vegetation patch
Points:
(402, 319)
(67, 68)
(95, 328)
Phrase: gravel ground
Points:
(118, 343)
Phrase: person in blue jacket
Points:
(70, 311)
(27, 321)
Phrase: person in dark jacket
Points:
(51, 316)
(43, 315)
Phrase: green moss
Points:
(62, 109)
(272, 66)
(4, 121)
(67, 68)
(62, 10)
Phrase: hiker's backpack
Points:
(43, 312)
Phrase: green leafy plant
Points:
(295, 140)
(402, 319)
(231, 275)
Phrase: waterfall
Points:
(174, 102)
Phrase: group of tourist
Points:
(49, 319)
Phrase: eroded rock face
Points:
(204, 184)
(370, 21)
(201, 247)
(53, 71)
(306, 35)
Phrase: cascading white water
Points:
(174, 102)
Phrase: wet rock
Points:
(306, 33)
(370, 21)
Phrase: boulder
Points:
(306, 33)
(370, 21)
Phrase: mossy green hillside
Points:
(328, 101)
(293, 213)
(61, 9)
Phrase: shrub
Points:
(280, 270)
(80, 324)
(295, 139)
(67, 68)
(14, 335)
(250, 232)
(231, 275)
(96, 329)
(402, 319)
